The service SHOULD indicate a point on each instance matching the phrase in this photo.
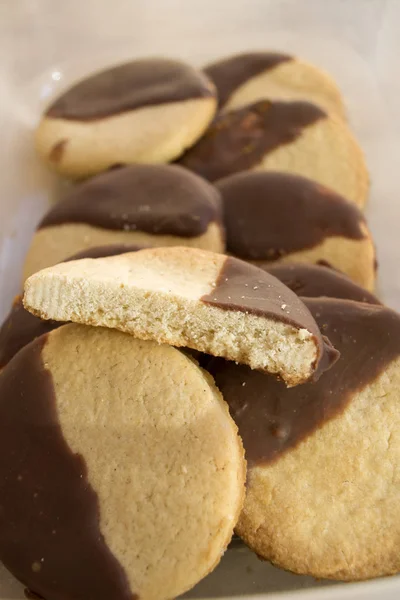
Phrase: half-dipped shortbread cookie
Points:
(188, 297)
(245, 78)
(323, 484)
(21, 327)
(280, 217)
(149, 205)
(314, 281)
(122, 473)
(147, 110)
(295, 137)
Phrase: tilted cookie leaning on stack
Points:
(192, 298)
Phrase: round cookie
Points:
(246, 78)
(314, 281)
(280, 217)
(21, 327)
(187, 297)
(295, 137)
(122, 474)
(323, 484)
(147, 110)
(146, 205)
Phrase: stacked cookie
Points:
(126, 461)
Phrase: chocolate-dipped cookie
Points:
(147, 110)
(280, 217)
(314, 281)
(323, 483)
(21, 327)
(295, 137)
(245, 78)
(148, 205)
(122, 473)
(192, 298)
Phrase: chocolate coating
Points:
(314, 281)
(144, 82)
(50, 535)
(156, 199)
(239, 139)
(229, 74)
(271, 418)
(246, 288)
(21, 327)
(268, 215)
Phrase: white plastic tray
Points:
(44, 45)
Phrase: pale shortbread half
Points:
(158, 294)
(55, 243)
(151, 134)
(295, 79)
(327, 152)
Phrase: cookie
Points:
(21, 327)
(295, 137)
(246, 78)
(144, 111)
(274, 216)
(122, 473)
(147, 205)
(188, 297)
(323, 484)
(314, 281)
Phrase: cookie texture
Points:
(147, 205)
(314, 281)
(148, 110)
(139, 486)
(294, 137)
(188, 297)
(245, 78)
(280, 217)
(323, 484)
(21, 327)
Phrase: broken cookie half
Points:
(189, 297)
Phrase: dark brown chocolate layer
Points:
(272, 418)
(238, 140)
(314, 281)
(145, 82)
(21, 327)
(271, 214)
(246, 288)
(229, 74)
(155, 199)
(50, 536)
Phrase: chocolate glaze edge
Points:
(230, 73)
(239, 139)
(273, 419)
(130, 86)
(154, 199)
(244, 287)
(50, 534)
